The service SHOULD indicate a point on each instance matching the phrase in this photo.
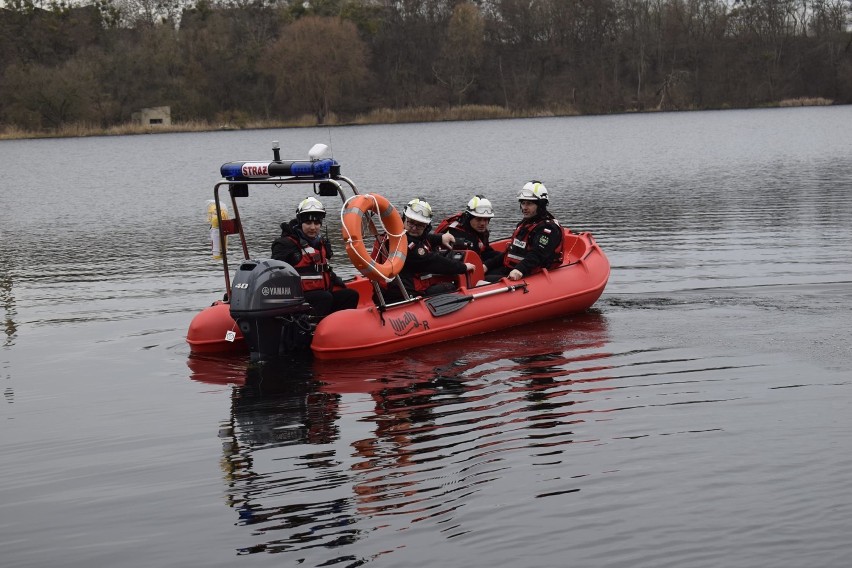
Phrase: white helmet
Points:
(479, 206)
(310, 208)
(418, 210)
(533, 191)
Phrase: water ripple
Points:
(441, 444)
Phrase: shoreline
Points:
(379, 116)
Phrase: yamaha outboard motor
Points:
(268, 305)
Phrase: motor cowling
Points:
(269, 307)
(266, 288)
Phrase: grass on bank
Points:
(805, 101)
(237, 121)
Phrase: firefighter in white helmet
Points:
(425, 270)
(537, 240)
(470, 229)
(303, 246)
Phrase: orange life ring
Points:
(352, 217)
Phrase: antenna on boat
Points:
(276, 151)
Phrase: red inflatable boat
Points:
(265, 314)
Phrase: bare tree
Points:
(461, 53)
(149, 12)
(43, 97)
(318, 63)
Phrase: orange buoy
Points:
(352, 216)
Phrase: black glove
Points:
(463, 244)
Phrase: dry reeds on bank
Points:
(464, 112)
(239, 121)
(432, 114)
(805, 101)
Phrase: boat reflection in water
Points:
(320, 454)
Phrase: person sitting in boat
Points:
(302, 246)
(471, 228)
(424, 266)
(537, 240)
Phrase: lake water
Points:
(698, 416)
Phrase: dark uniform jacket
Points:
(536, 244)
(458, 226)
(309, 258)
(423, 261)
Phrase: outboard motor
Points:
(268, 304)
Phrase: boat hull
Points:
(368, 331)
(208, 331)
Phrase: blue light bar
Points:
(318, 169)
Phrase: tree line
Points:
(227, 61)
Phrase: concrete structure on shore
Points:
(154, 116)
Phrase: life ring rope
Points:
(351, 219)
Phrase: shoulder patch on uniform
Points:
(421, 251)
(543, 240)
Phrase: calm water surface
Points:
(699, 415)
